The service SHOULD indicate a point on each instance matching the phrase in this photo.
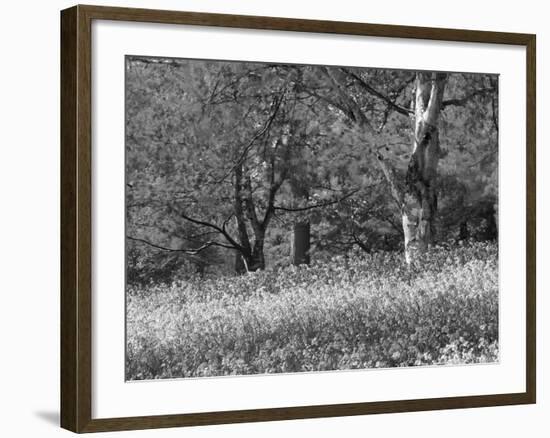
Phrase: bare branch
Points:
(396, 227)
(398, 108)
(348, 113)
(338, 78)
(322, 204)
(360, 243)
(260, 133)
(183, 250)
(464, 100)
(222, 230)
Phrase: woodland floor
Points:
(365, 311)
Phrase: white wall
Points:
(29, 223)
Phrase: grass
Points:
(362, 311)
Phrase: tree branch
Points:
(391, 177)
(322, 204)
(398, 108)
(354, 110)
(360, 243)
(463, 100)
(186, 251)
(222, 230)
(244, 153)
(348, 113)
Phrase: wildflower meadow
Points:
(350, 312)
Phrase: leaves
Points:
(191, 123)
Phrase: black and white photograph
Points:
(287, 218)
(275, 219)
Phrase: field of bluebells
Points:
(361, 311)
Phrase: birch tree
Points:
(368, 108)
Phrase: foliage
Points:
(224, 157)
(354, 311)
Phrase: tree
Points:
(229, 136)
(416, 195)
(417, 200)
(226, 159)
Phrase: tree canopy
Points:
(222, 158)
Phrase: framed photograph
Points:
(270, 218)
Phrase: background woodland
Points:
(238, 166)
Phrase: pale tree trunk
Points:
(417, 199)
(240, 265)
(250, 257)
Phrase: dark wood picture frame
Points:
(76, 218)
